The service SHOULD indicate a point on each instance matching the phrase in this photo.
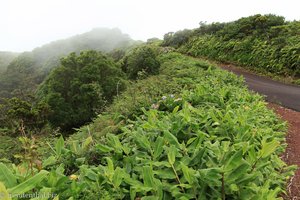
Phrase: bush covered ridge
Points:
(266, 43)
(197, 134)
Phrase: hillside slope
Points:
(265, 43)
(5, 59)
(29, 69)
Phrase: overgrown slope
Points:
(192, 132)
(265, 43)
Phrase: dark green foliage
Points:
(177, 39)
(208, 28)
(8, 148)
(141, 61)
(117, 54)
(80, 88)
(256, 25)
(16, 112)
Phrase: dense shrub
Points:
(80, 88)
(141, 61)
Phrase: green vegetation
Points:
(191, 132)
(80, 88)
(147, 122)
(140, 61)
(265, 43)
(177, 39)
(30, 69)
(5, 59)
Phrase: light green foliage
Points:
(4, 192)
(204, 137)
(265, 43)
(80, 88)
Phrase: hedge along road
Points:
(275, 92)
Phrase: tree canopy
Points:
(141, 60)
(80, 88)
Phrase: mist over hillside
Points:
(29, 69)
(6, 58)
(100, 39)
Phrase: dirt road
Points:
(275, 92)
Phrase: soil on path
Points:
(292, 154)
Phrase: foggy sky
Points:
(26, 24)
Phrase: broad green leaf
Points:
(142, 141)
(49, 161)
(4, 195)
(187, 173)
(172, 155)
(110, 165)
(234, 161)
(171, 139)
(268, 148)
(29, 184)
(191, 140)
(158, 147)
(175, 110)
(161, 164)
(87, 142)
(115, 143)
(118, 177)
(7, 177)
(90, 174)
(103, 148)
(148, 177)
(75, 147)
(59, 146)
(159, 189)
(197, 156)
(132, 193)
(237, 173)
(165, 174)
(212, 176)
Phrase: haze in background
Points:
(32, 23)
